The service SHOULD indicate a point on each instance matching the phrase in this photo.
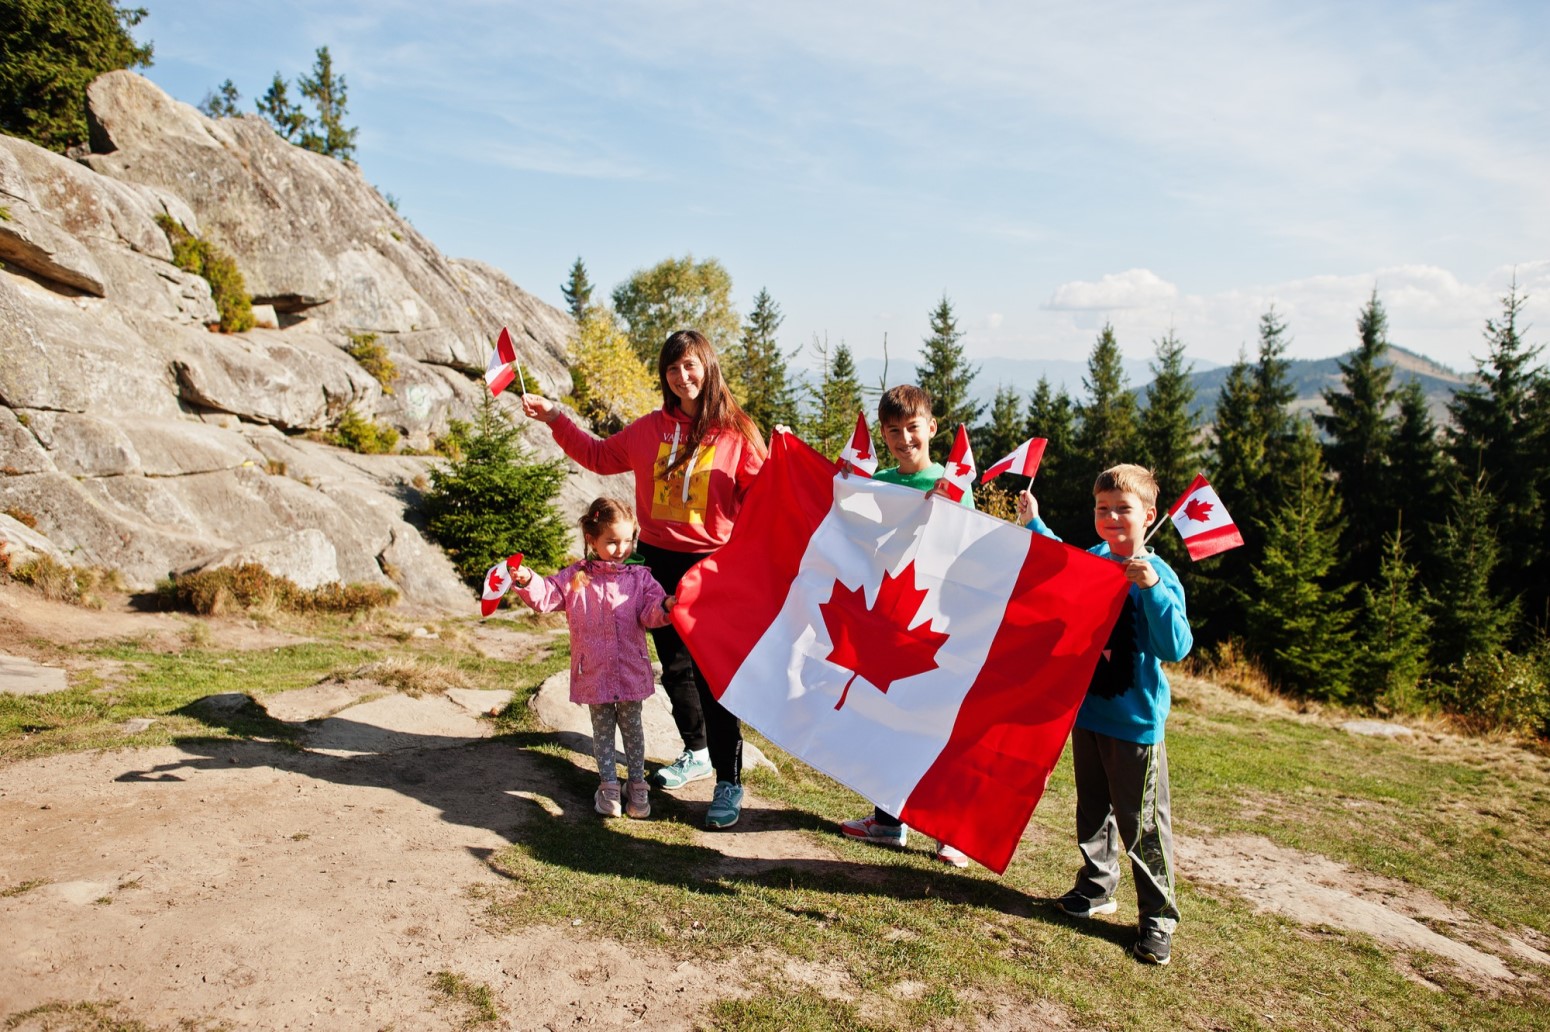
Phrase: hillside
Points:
(136, 439)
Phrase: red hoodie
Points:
(689, 510)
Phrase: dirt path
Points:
(277, 890)
(282, 889)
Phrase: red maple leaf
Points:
(877, 642)
(1197, 510)
(494, 583)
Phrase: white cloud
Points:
(994, 320)
(1135, 288)
(1430, 310)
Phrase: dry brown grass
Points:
(413, 677)
(250, 587)
(57, 582)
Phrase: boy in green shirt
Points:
(904, 413)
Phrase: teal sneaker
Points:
(725, 806)
(682, 771)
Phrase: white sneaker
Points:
(606, 799)
(950, 856)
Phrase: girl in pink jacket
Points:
(608, 606)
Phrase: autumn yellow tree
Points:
(611, 384)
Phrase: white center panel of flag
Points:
(965, 562)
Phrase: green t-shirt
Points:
(924, 480)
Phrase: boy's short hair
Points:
(902, 403)
(1127, 476)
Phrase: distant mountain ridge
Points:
(1309, 377)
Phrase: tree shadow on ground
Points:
(516, 786)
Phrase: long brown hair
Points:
(718, 410)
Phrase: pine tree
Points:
(1253, 438)
(1107, 431)
(678, 294)
(276, 108)
(1393, 630)
(493, 499)
(1360, 433)
(1003, 432)
(222, 102)
(1416, 472)
(1501, 435)
(1273, 390)
(1298, 623)
(50, 53)
(833, 401)
(326, 133)
(1471, 617)
(760, 365)
(945, 372)
(577, 290)
(1169, 444)
(1063, 488)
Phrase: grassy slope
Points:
(915, 943)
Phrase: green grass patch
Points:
(372, 355)
(474, 997)
(1453, 819)
(917, 944)
(359, 434)
(90, 713)
(219, 269)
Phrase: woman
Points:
(694, 460)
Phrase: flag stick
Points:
(518, 367)
(1152, 533)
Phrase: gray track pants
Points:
(1122, 796)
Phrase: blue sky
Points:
(1048, 167)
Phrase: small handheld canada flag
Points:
(497, 582)
(858, 452)
(501, 369)
(1024, 460)
(1202, 521)
(960, 466)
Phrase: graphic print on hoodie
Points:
(682, 495)
(1116, 671)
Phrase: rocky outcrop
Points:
(139, 440)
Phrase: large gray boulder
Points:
(137, 439)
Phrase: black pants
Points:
(702, 721)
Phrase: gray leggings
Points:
(626, 717)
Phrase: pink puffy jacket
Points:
(607, 615)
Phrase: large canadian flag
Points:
(928, 656)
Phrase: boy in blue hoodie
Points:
(1117, 750)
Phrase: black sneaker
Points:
(1152, 947)
(1075, 904)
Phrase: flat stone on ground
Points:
(1376, 729)
(396, 722)
(20, 676)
